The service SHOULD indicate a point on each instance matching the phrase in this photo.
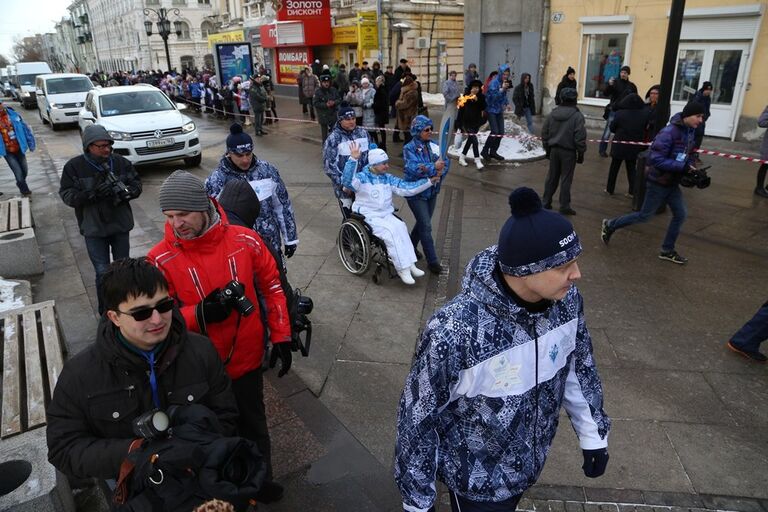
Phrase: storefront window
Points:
(725, 70)
(605, 56)
(688, 73)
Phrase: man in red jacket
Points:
(213, 270)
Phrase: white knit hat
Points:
(377, 156)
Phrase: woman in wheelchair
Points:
(373, 188)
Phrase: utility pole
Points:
(663, 109)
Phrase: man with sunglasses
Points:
(214, 270)
(337, 150)
(99, 185)
(143, 358)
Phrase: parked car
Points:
(60, 97)
(146, 125)
(24, 79)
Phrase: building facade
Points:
(84, 50)
(723, 42)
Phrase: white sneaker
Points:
(405, 276)
(479, 163)
(462, 161)
(416, 271)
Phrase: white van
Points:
(60, 97)
(26, 73)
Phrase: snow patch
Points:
(8, 299)
(517, 145)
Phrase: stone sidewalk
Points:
(689, 417)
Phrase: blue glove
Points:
(595, 462)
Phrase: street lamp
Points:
(163, 27)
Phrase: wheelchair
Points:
(359, 249)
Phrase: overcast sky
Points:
(27, 18)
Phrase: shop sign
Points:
(315, 15)
(282, 34)
(369, 36)
(233, 36)
(290, 62)
(345, 35)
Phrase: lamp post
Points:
(163, 27)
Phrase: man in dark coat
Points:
(617, 89)
(568, 82)
(143, 358)
(671, 156)
(565, 141)
(326, 102)
(628, 125)
(704, 97)
(99, 185)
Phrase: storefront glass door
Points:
(722, 64)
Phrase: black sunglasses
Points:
(144, 313)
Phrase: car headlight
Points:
(120, 135)
(190, 126)
(53, 105)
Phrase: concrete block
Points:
(45, 490)
(19, 254)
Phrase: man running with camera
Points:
(99, 185)
(213, 270)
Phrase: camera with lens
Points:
(152, 424)
(120, 191)
(696, 178)
(301, 325)
(234, 295)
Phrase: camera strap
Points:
(120, 495)
(234, 340)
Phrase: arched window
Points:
(206, 28)
(184, 30)
(208, 61)
(187, 62)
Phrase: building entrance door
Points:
(723, 64)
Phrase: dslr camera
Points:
(234, 295)
(696, 178)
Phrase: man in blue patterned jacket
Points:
(276, 221)
(481, 404)
(336, 150)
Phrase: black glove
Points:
(579, 157)
(283, 352)
(213, 308)
(103, 189)
(595, 462)
(290, 250)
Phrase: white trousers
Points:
(394, 233)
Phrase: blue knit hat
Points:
(419, 123)
(534, 239)
(345, 112)
(238, 141)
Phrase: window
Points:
(204, 2)
(206, 28)
(179, 2)
(187, 62)
(605, 55)
(184, 30)
(605, 48)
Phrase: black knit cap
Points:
(239, 141)
(692, 108)
(533, 239)
(184, 192)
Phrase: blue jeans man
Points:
(491, 147)
(528, 119)
(655, 196)
(603, 148)
(748, 339)
(422, 232)
(98, 251)
(18, 164)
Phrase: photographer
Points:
(143, 358)
(99, 185)
(213, 270)
(670, 160)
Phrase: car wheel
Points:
(44, 120)
(54, 126)
(194, 161)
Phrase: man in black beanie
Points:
(565, 140)
(99, 185)
(617, 89)
(671, 156)
(493, 368)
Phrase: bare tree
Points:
(28, 49)
(4, 61)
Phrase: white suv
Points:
(146, 125)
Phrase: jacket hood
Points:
(677, 119)
(239, 198)
(522, 77)
(481, 286)
(631, 102)
(563, 112)
(114, 352)
(500, 77)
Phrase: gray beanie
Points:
(184, 192)
(93, 133)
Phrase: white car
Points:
(60, 97)
(146, 125)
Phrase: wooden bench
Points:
(15, 214)
(33, 357)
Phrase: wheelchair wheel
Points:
(354, 246)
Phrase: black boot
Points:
(760, 188)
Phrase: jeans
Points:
(497, 128)
(422, 232)
(528, 119)
(18, 164)
(754, 332)
(258, 121)
(606, 134)
(655, 197)
(98, 251)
